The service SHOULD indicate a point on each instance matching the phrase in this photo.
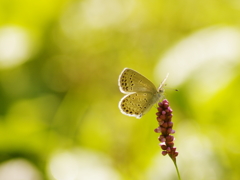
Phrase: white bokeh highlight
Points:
(18, 169)
(79, 164)
(15, 46)
(208, 58)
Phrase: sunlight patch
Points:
(207, 58)
(14, 46)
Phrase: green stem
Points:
(175, 164)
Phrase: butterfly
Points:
(141, 94)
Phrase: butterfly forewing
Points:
(131, 81)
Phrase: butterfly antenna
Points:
(161, 85)
(172, 89)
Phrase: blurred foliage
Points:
(59, 66)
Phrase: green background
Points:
(59, 67)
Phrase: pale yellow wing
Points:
(137, 104)
(131, 81)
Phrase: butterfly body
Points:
(141, 94)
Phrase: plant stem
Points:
(175, 164)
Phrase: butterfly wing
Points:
(131, 81)
(137, 104)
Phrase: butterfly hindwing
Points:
(136, 104)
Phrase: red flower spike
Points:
(169, 130)
(164, 147)
(169, 138)
(170, 124)
(164, 153)
(164, 118)
(157, 130)
(164, 124)
(164, 112)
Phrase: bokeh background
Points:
(59, 67)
